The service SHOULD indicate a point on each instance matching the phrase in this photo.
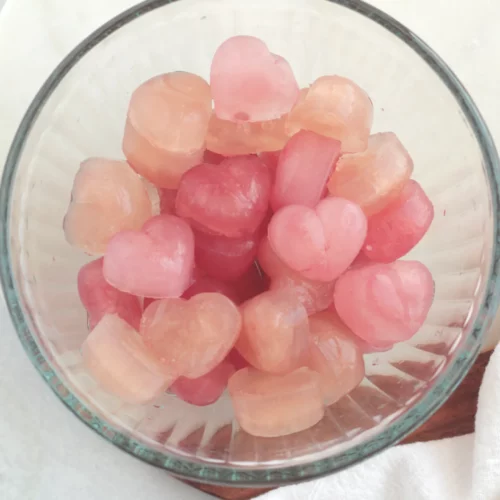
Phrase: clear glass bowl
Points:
(80, 112)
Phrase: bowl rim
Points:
(225, 474)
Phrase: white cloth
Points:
(47, 454)
(462, 468)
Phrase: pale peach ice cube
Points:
(166, 126)
(224, 258)
(375, 177)
(107, 197)
(267, 405)
(304, 168)
(116, 357)
(191, 337)
(230, 199)
(275, 333)
(335, 355)
(315, 296)
(249, 83)
(100, 298)
(319, 243)
(335, 107)
(394, 231)
(155, 262)
(205, 390)
(232, 138)
(367, 348)
(385, 303)
(205, 284)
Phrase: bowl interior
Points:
(81, 113)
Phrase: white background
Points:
(45, 452)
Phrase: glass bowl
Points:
(80, 112)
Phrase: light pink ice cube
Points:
(385, 303)
(305, 166)
(375, 177)
(268, 405)
(270, 263)
(335, 107)
(230, 199)
(107, 197)
(191, 337)
(249, 83)
(166, 127)
(319, 243)
(116, 357)
(394, 231)
(275, 332)
(100, 298)
(155, 262)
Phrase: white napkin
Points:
(466, 467)
(47, 454)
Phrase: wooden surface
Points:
(455, 418)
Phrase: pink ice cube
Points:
(304, 168)
(155, 262)
(375, 177)
(270, 159)
(167, 201)
(107, 197)
(334, 107)
(394, 231)
(249, 83)
(230, 199)
(251, 284)
(166, 127)
(274, 337)
(205, 390)
(100, 298)
(319, 243)
(268, 405)
(213, 158)
(231, 138)
(191, 337)
(237, 360)
(385, 303)
(335, 355)
(224, 258)
(116, 357)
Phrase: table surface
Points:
(46, 453)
